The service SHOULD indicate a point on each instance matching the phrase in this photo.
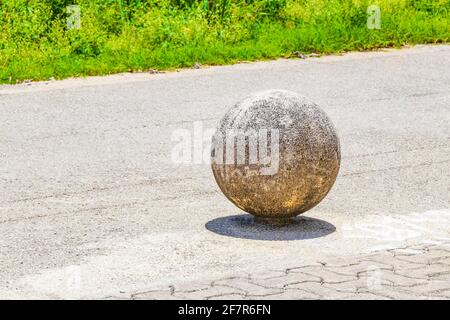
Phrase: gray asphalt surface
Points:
(92, 204)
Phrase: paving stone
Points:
(432, 288)
(363, 284)
(267, 274)
(441, 275)
(228, 297)
(306, 266)
(356, 267)
(247, 286)
(367, 296)
(406, 252)
(426, 272)
(445, 294)
(154, 295)
(327, 275)
(195, 286)
(391, 263)
(115, 298)
(213, 291)
(288, 294)
(395, 280)
(428, 257)
(396, 294)
(290, 278)
(412, 272)
(323, 291)
(444, 260)
(421, 246)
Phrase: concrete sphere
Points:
(275, 154)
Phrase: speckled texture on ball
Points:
(308, 154)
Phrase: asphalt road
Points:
(93, 206)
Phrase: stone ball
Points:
(275, 154)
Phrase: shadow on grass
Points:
(247, 227)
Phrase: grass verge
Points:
(136, 35)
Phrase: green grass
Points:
(120, 35)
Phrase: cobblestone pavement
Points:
(412, 272)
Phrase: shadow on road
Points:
(247, 227)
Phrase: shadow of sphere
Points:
(245, 226)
